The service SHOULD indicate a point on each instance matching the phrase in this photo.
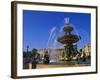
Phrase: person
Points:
(46, 58)
(84, 57)
(33, 58)
(34, 63)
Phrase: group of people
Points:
(35, 59)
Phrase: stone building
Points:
(56, 55)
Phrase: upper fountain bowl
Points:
(67, 28)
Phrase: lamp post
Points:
(27, 48)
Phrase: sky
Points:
(42, 28)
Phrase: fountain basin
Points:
(69, 39)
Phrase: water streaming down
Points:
(77, 33)
(53, 51)
(51, 39)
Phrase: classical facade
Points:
(58, 54)
(55, 54)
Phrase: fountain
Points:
(69, 39)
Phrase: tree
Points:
(34, 52)
(33, 58)
(35, 55)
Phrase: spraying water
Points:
(53, 38)
(50, 35)
(66, 20)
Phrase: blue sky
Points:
(37, 26)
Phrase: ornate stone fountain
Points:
(69, 39)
